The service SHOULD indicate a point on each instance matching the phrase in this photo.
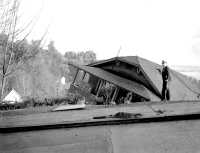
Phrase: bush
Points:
(39, 102)
(73, 98)
(4, 106)
(11, 106)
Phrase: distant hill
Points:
(185, 68)
(190, 71)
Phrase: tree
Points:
(14, 52)
(81, 58)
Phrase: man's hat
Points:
(163, 62)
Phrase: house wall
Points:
(93, 81)
(74, 89)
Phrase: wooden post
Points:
(115, 94)
(75, 76)
(102, 81)
(83, 75)
(138, 71)
(97, 85)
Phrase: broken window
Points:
(125, 96)
(128, 66)
(106, 92)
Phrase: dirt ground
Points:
(44, 109)
(27, 111)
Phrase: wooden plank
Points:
(69, 107)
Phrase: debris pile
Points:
(126, 115)
(120, 115)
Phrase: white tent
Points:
(63, 80)
(13, 96)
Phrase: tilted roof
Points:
(180, 86)
(119, 81)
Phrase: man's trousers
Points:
(165, 90)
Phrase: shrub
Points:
(4, 106)
(11, 106)
(39, 102)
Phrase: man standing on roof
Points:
(166, 77)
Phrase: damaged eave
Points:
(134, 61)
(128, 62)
(112, 60)
(116, 80)
(102, 62)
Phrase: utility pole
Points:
(116, 58)
(57, 86)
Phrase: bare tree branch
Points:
(9, 30)
(31, 27)
(3, 5)
(23, 62)
(13, 36)
(24, 11)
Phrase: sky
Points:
(152, 29)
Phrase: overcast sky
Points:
(152, 29)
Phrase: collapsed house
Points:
(129, 75)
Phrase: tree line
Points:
(25, 65)
(40, 75)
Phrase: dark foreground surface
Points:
(158, 137)
(21, 120)
(157, 130)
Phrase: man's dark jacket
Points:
(165, 74)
